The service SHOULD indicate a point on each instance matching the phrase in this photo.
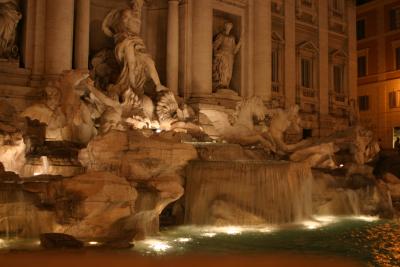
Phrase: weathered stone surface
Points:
(56, 241)
(352, 194)
(87, 205)
(153, 163)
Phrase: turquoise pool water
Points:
(367, 240)
(372, 242)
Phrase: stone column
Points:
(202, 47)
(324, 68)
(59, 36)
(262, 48)
(39, 43)
(290, 52)
(173, 46)
(82, 28)
(352, 50)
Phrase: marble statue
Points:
(9, 19)
(242, 130)
(71, 119)
(281, 121)
(225, 48)
(130, 51)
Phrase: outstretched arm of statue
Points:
(131, 61)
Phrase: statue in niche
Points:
(9, 19)
(130, 51)
(225, 48)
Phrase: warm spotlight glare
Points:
(341, 165)
(2, 243)
(183, 239)
(158, 131)
(158, 245)
(265, 230)
(366, 218)
(93, 243)
(311, 225)
(209, 234)
(37, 173)
(232, 230)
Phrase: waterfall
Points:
(247, 192)
(18, 215)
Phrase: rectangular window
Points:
(395, 19)
(363, 102)
(306, 73)
(338, 78)
(362, 66)
(360, 29)
(397, 52)
(394, 99)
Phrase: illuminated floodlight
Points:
(158, 245)
(311, 225)
(94, 243)
(209, 234)
(231, 230)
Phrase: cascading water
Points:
(19, 215)
(247, 192)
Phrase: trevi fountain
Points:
(110, 157)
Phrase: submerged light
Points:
(2, 243)
(208, 234)
(158, 245)
(231, 230)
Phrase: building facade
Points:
(292, 51)
(379, 68)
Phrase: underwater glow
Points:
(311, 224)
(208, 234)
(232, 230)
(157, 245)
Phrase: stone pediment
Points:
(338, 54)
(308, 46)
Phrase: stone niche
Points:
(234, 12)
(153, 31)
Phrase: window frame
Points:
(363, 53)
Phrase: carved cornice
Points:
(238, 3)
